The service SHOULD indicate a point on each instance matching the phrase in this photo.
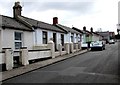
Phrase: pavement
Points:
(34, 66)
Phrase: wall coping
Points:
(39, 50)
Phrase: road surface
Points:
(91, 67)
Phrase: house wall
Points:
(58, 38)
(83, 38)
(75, 39)
(28, 39)
(39, 41)
(90, 38)
(95, 38)
(79, 38)
(8, 39)
(67, 38)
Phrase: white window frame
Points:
(44, 38)
(18, 41)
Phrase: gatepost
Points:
(8, 58)
(76, 46)
(67, 48)
(60, 49)
(71, 47)
(52, 47)
(24, 56)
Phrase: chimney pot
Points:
(84, 28)
(17, 9)
(91, 29)
(55, 20)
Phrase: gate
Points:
(17, 59)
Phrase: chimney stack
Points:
(84, 28)
(91, 29)
(17, 9)
(55, 20)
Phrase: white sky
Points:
(78, 13)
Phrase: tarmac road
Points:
(91, 67)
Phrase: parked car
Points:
(84, 45)
(97, 45)
(111, 41)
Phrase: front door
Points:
(54, 40)
(17, 44)
(62, 39)
(0, 41)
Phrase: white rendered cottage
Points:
(72, 35)
(43, 32)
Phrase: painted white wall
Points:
(28, 39)
(39, 54)
(8, 39)
(70, 37)
(67, 38)
(50, 35)
(38, 36)
(58, 38)
(75, 39)
(39, 41)
(79, 38)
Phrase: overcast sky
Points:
(78, 13)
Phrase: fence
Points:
(38, 52)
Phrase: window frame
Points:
(44, 37)
(19, 40)
(72, 37)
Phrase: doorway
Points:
(54, 40)
(0, 41)
(62, 41)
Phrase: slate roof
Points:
(68, 29)
(42, 25)
(105, 34)
(78, 30)
(9, 22)
(95, 33)
(88, 32)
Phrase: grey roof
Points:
(88, 32)
(43, 25)
(9, 22)
(68, 29)
(105, 34)
(78, 30)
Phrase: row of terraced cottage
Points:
(23, 39)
